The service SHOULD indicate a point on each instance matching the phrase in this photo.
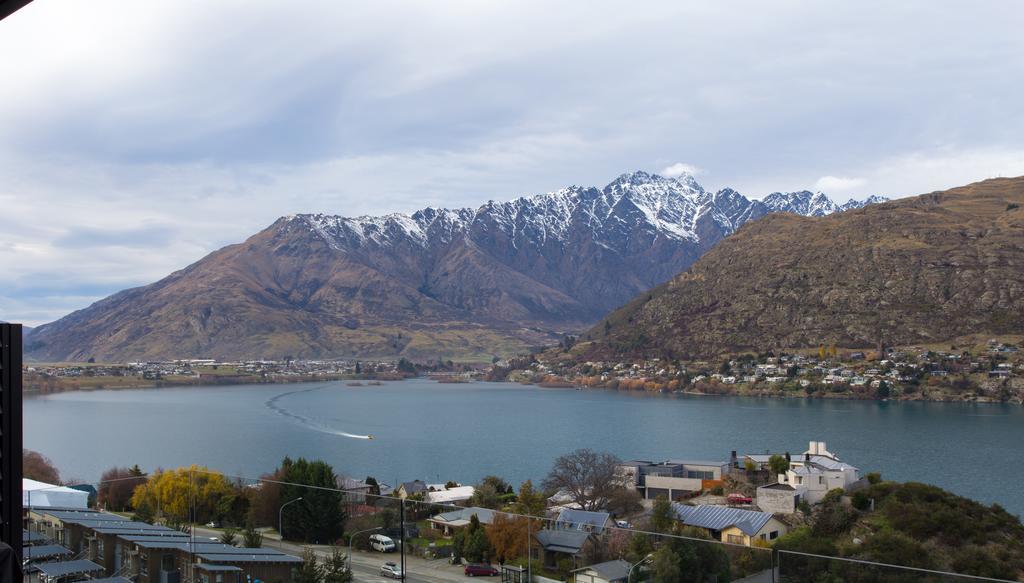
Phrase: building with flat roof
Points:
(672, 478)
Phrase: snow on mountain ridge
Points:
(672, 207)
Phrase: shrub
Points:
(717, 491)
(874, 478)
(861, 500)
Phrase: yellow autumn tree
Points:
(183, 495)
(821, 352)
(508, 536)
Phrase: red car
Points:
(736, 498)
(481, 570)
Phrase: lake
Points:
(439, 432)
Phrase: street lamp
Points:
(352, 537)
(280, 515)
(629, 575)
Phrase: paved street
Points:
(366, 565)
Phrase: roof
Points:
(609, 570)
(462, 516)
(582, 520)
(347, 483)
(722, 517)
(28, 536)
(63, 568)
(247, 557)
(413, 486)
(778, 486)
(451, 494)
(713, 464)
(211, 567)
(43, 552)
(111, 580)
(562, 541)
(73, 515)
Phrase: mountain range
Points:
(929, 269)
(465, 283)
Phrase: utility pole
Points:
(402, 514)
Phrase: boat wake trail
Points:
(273, 405)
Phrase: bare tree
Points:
(587, 476)
(36, 466)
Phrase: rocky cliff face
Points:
(923, 269)
(436, 283)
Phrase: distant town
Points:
(992, 372)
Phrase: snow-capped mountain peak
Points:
(635, 204)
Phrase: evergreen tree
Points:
(319, 517)
(335, 568)
(229, 537)
(311, 571)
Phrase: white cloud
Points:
(837, 184)
(197, 123)
(680, 168)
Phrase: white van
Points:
(384, 544)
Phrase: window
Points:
(773, 535)
(167, 562)
(734, 539)
(696, 475)
(144, 564)
(799, 479)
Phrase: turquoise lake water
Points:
(439, 432)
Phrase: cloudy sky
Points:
(135, 137)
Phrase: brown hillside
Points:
(921, 269)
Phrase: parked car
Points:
(384, 544)
(736, 498)
(623, 524)
(391, 570)
(478, 570)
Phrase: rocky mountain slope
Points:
(917, 270)
(436, 283)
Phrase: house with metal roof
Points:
(449, 522)
(455, 495)
(616, 571)
(559, 544)
(731, 525)
(581, 520)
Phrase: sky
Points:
(137, 137)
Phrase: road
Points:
(366, 564)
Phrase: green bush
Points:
(717, 491)
(874, 478)
(861, 500)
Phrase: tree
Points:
(374, 486)
(508, 537)
(663, 517)
(229, 537)
(530, 502)
(667, 566)
(485, 496)
(311, 571)
(252, 538)
(586, 476)
(335, 568)
(183, 495)
(116, 488)
(36, 466)
(625, 501)
(319, 517)
(477, 547)
(778, 464)
(499, 484)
